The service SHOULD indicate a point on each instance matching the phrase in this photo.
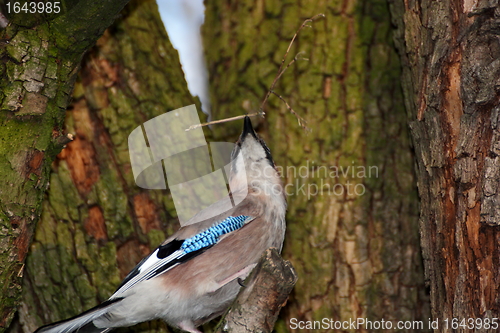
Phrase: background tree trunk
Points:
(41, 56)
(356, 255)
(96, 223)
(352, 223)
(450, 52)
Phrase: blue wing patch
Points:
(176, 252)
(211, 235)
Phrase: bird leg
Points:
(188, 326)
(242, 274)
(241, 282)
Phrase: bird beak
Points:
(248, 128)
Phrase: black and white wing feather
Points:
(164, 258)
(169, 255)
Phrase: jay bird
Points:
(194, 275)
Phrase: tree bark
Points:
(450, 53)
(96, 223)
(357, 255)
(264, 293)
(40, 59)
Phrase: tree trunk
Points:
(450, 53)
(96, 223)
(352, 237)
(259, 302)
(40, 59)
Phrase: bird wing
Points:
(185, 244)
(177, 251)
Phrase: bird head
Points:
(252, 163)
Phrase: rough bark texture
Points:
(40, 59)
(450, 51)
(266, 291)
(96, 223)
(356, 254)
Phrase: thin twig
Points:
(301, 120)
(281, 70)
(278, 76)
(225, 120)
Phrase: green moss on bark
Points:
(104, 224)
(348, 249)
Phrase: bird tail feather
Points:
(82, 323)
